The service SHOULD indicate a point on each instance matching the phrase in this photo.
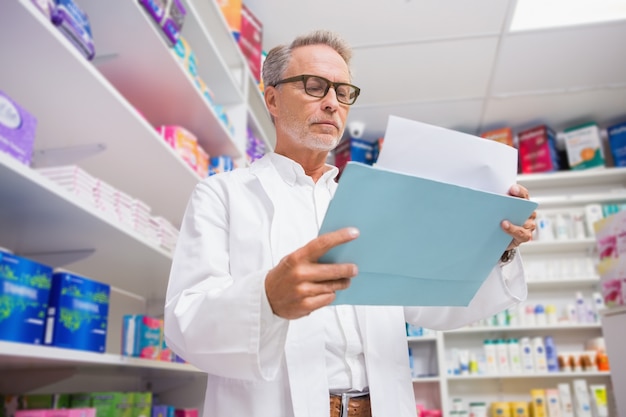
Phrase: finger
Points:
(520, 234)
(316, 248)
(314, 272)
(520, 191)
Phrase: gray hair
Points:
(278, 57)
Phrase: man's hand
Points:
(299, 284)
(523, 233)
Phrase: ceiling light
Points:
(540, 14)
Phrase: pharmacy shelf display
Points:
(557, 270)
(101, 116)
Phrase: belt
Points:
(350, 404)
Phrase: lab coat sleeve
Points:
(504, 287)
(220, 323)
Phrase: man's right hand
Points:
(299, 284)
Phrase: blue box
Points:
(617, 142)
(77, 313)
(163, 411)
(24, 292)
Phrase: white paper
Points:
(445, 155)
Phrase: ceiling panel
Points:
(560, 111)
(424, 71)
(562, 59)
(458, 115)
(367, 22)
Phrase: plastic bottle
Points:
(539, 355)
(581, 308)
(540, 315)
(503, 356)
(593, 213)
(526, 351)
(490, 356)
(552, 360)
(515, 358)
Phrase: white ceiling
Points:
(455, 64)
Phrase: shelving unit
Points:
(101, 116)
(553, 191)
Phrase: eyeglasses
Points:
(316, 86)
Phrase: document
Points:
(423, 242)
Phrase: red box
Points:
(537, 150)
(250, 40)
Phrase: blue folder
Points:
(422, 242)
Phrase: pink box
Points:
(537, 150)
(31, 413)
(186, 412)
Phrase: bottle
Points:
(539, 355)
(515, 359)
(598, 304)
(561, 227)
(551, 318)
(503, 356)
(540, 315)
(581, 308)
(526, 351)
(552, 360)
(490, 356)
(593, 213)
(545, 229)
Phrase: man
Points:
(247, 300)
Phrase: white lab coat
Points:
(238, 226)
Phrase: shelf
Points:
(96, 122)
(54, 363)
(427, 380)
(498, 329)
(580, 200)
(590, 374)
(561, 284)
(587, 245)
(411, 339)
(144, 69)
(606, 177)
(42, 221)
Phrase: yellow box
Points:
(500, 409)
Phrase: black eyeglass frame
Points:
(305, 77)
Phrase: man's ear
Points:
(270, 100)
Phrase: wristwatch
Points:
(508, 255)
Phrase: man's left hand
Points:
(523, 233)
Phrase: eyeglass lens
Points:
(318, 87)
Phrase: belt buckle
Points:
(345, 399)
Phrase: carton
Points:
(24, 292)
(17, 130)
(78, 313)
(142, 336)
(504, 135)
(537, 150)
(584, 146)
(617, 143)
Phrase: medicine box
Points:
(584, 146)
(163, 411)
(537, 150)
(142, 336)
(112, 404)
(17, 130)
(250, 41)
(504, 135)
(24, 292)
(78, 313)
(617, 143)
(142, 404)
